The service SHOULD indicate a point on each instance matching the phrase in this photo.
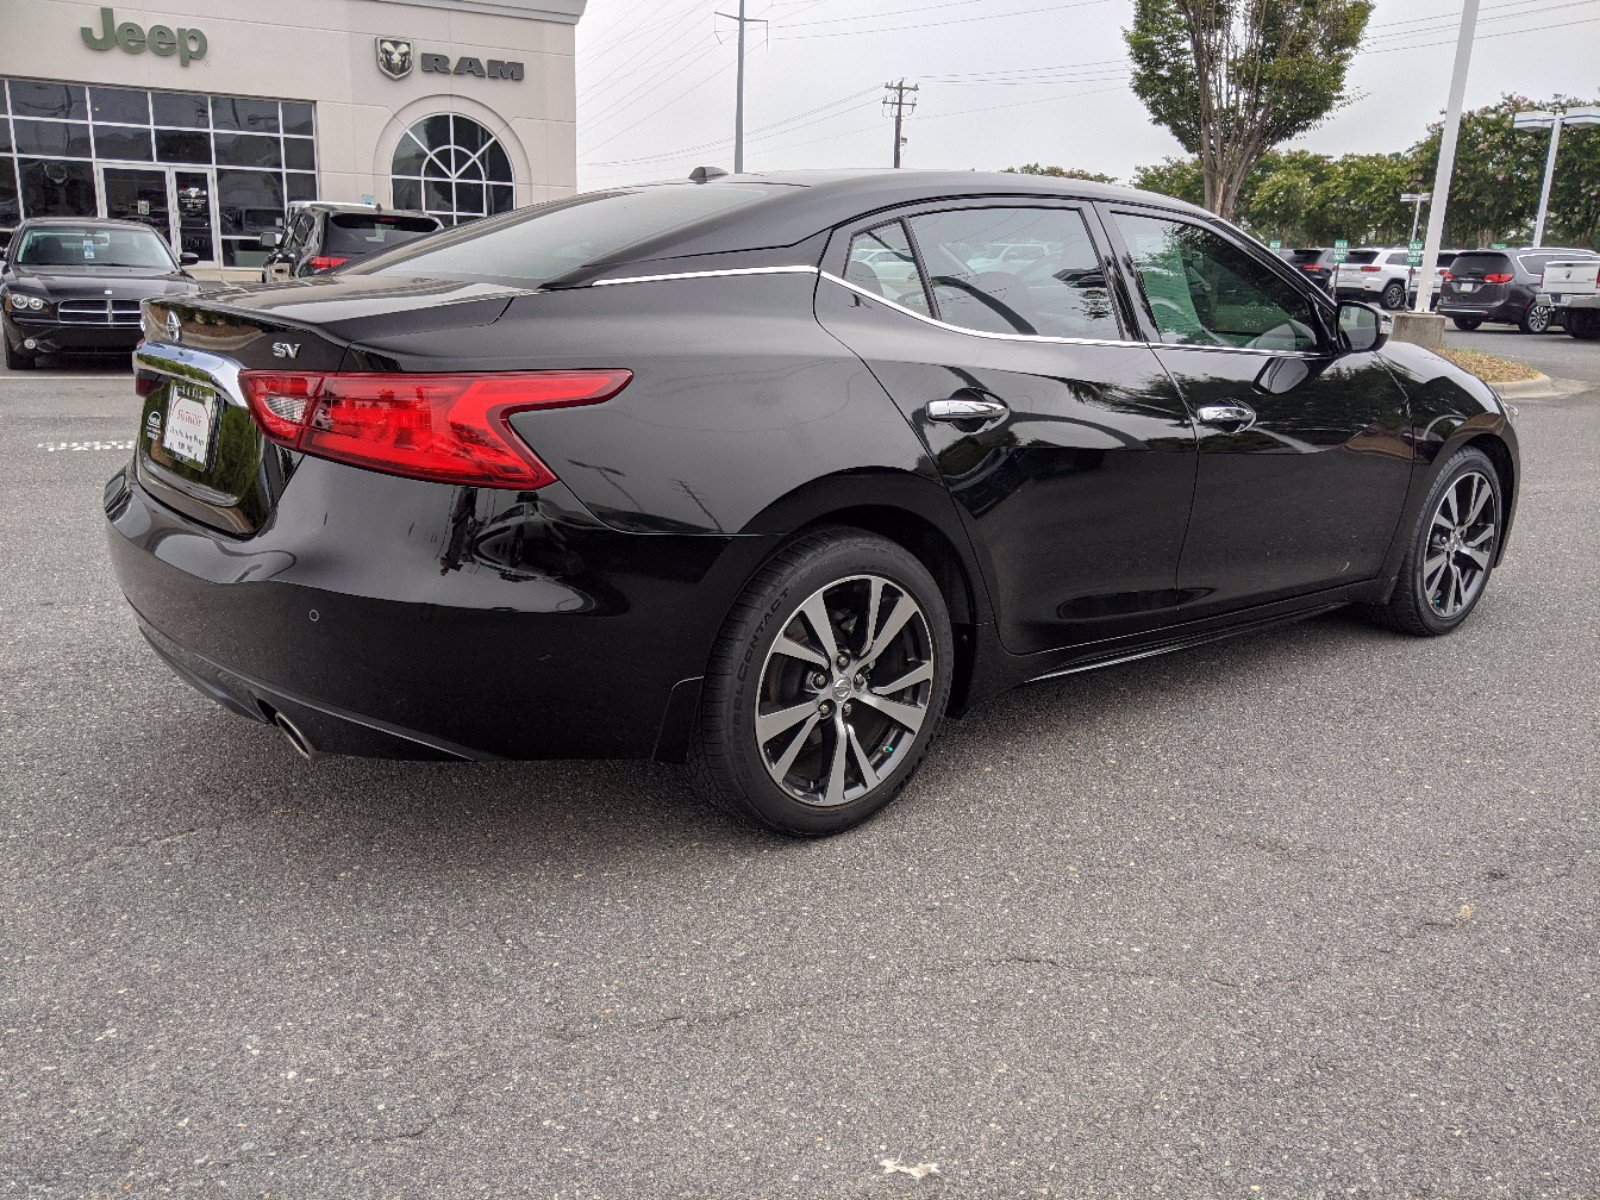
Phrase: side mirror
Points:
(1362, 327)
(271, 240)
(188, 258)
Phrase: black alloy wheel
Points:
(1394, 296)
(1467, 323)
(1536, 319)
(1452, 553)
(826, 686)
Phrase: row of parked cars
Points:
(74, 284)
(1472, 287)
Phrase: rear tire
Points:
(1536, 319)
(1447, 568)
(1584, 324)
(1394, 296)
(840, 742)
(1467, 323)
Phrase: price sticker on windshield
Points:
(189, 418)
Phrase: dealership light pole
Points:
(1416, 200)
(1552, 120)
(1447, 156)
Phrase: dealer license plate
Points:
(190, 414)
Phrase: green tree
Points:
(1233, 78)
(1494, 190)
(1060, 172)
(1180, 178)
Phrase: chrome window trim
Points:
(938, 324)
(718, 274)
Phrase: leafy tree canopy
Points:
(1060, 172)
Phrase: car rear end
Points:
(1482, 285)
(375, 560)
(1571, 288)
(1358, 277)
(1315, 263)
(350, 237)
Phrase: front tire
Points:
(1536, 319)
(826, 685)
(1467, 323)
(1394, 296)
(1452, 552)
(16, 360)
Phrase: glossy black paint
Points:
(1098, 522)
(53, 334)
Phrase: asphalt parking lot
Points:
(1311, 914)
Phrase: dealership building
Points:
(207, 118)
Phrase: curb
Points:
(1524, 389)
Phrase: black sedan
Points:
(772, 474)
(75, 285)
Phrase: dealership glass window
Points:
(254, 153)
(453, 167)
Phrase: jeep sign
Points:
(161, 40)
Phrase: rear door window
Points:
(882, 263)
(1032, 271)
(1476, 266)
(1360, 257)
(365, 233)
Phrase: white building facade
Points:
(207, 118)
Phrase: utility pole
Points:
(896, 101)
(1447, 156)
(738, 101)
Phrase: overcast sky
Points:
(1047, 84)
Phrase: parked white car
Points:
(1380, 275)
(1571, 290)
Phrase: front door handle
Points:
(959, 409)
(1230, 418)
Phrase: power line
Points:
(1026, 12)
(1486, 36)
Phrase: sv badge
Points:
(285, 349)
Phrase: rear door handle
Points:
(966, 408)
(1231, 418)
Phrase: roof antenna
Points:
(706, 174)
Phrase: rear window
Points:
(1361, 256)
(1536, 263)
(1479, 265)
(536, 245)
(1303, 258)
(367, 233)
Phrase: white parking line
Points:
(52, 447)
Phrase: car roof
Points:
(337, 206)
(106, 222)
(804, 203)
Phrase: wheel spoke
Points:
(1480, 496)
(904, 609)
(816, 613)
(1432, 569)
(1441, 521)
(1479, 557)
(907, 716)
(874, 600)
(835, 793)
(1479, 538)
(917, 674)
(1457, 587)
(869, 774)
(793, 649)
(1449, 507)
(770, 725)
(786, 759)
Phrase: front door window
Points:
(1204, 291)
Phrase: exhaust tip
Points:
(296, 739)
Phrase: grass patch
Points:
(1491, 368)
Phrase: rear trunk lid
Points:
(200, 450)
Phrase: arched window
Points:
(452, 167)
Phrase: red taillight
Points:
(1445, 276)
(1499, 277)
(327, 262)
(445, 428)
(1308, 266)
(1369, 268)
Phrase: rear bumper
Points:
(53, 338)
(417, 620)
